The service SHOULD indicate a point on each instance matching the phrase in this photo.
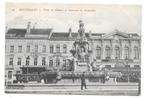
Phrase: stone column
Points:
(130, 49)
(102, 49)
(139, 49)
(121, 49)
(112, 54)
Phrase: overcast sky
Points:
(97, 18)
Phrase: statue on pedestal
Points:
(81, 29)
(82, 54)
(80, 50)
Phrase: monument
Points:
(81, 51)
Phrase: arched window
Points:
(98, 52)
(136, 53)
(117, 53)
(126, 52)
(107, 51)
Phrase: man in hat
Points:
(83, 81)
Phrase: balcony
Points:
(9, 67)
(117, 60)
(98, 57)
(125, 69)
(108, 59)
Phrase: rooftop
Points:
(48, 33)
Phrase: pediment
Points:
(116, 35)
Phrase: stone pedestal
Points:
(82, 67)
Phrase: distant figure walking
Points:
(83, 81)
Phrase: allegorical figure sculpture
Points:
(81, 29)
(80, 49)
(82, 54)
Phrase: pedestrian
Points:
(73, 77)
(83, 81)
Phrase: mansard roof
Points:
(65, 36)
(47, 33)
(22, 32)
(60, 34)
(41, 31)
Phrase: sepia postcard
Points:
(73, 49)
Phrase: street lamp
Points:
(27, 63)
(127, 70)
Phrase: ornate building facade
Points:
(43, 48)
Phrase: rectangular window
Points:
(98, 50)
(36, 48)
(11, 61)
(126, 53)
(136, 53)
(44, 48)
(28, 60)
(51, 49)
(18, 72)
(51, 63)
(11, 49)
(64, 48)
(58, 49)
(28, 48)
(19, 61)
(127, 66)
(136, 66)
(64, 62)
(107, 66)
(9, 74)
(107, 52)
(19, 49)
(117, 53)
(57, 62)
(35, 61)
(43, 61)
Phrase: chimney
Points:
(29, 27)
(6, 29)
(116, 30)
(34, 25)
(70, 31)
(50, 34)
(90, 34)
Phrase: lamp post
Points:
(127, 70)
(27, 63)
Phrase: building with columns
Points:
(43, 48)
